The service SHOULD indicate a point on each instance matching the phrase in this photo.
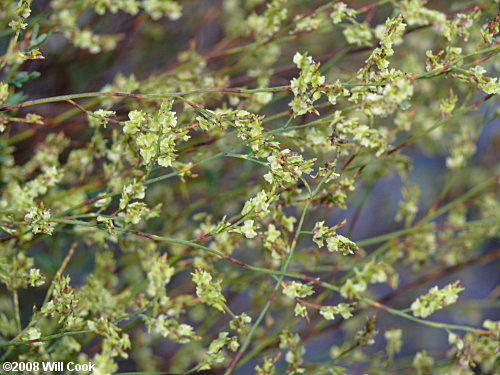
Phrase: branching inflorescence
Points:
(213, 215)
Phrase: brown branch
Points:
(75, 104)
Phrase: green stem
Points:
(42, 339)
(17, 310)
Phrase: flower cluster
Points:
(340, 12)
(436, 299)
(156, 136)
(38, 220)
(296, 289)
(287, 167)
(216, 353)
(415, 13)
(307, 87)
(269, 22)
(295, 351)
(334, 242)
(371, 273)
(343, 309)
(172, 329)
(394, 28)
(159, 275)
(210, 292)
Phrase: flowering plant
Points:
(259, 197)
